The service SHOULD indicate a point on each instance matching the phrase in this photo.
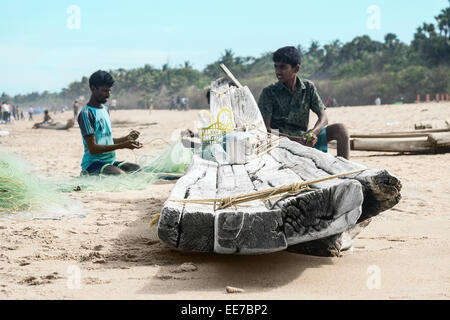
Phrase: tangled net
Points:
(21, 191)
(171, 164)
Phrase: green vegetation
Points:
(355, 73)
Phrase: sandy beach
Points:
(112, 253)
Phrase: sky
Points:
(46, 45)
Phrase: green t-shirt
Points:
(96, 121)
(289, 111)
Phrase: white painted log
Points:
(197, 222)
(381, 189)
(246, 229)
(312, 215)
(171, 214)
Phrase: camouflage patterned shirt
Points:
(289, 111)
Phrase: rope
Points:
(155, 220)
(264, 195)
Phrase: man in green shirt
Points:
(285, 107)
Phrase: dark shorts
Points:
(97, 167)
(322, 143)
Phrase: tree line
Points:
(354, 73)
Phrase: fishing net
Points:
(24, 195)
(171, 164)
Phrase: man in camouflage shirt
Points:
(285, 107)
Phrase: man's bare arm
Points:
(95, 148)
(268, 123)
(321, 122)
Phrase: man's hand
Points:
(132, 144)
(300, 140)
(133, 135)
(310, 139)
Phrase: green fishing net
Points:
(171, 164)
(24, 195)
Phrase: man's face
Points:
(101, 93)
(285, 72)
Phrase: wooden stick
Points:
(230, 75)
(405, 134)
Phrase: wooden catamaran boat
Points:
(284, 197)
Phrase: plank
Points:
(312, 215)
(171, 213)
(230, 75)
(196, 227)
(439, 140)
(415, 144)
(248, 229)
(381, 189)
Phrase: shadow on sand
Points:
(138, 245)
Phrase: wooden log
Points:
(331, 246)
(381, 189)
(249, 229)
(171, 214)
(196, 227)
(398, 134)
(439, 140)
(416, 144)
(230, 75)
(390, 135)
(433, 124)
(310, 215)
(245, 110)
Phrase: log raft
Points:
(322, 220)
(325, 214)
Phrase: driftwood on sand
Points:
(316, 221)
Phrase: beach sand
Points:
(113, 254)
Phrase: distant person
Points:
(30, 113)
(377, 101)
(95, 126)
(334, 103)
(13, 112)
(18, 112)
(328, 102)
(47, 120)
(184, 103)
(6, 112)
(172, 103)
(75, 108)
(285, 106)
(178, 102)
(2, 112)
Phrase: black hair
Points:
(101, 78)
(289, 55)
